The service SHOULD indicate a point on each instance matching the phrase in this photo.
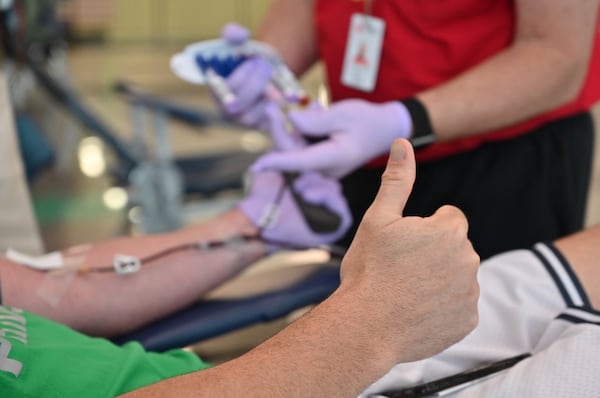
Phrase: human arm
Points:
(542, 69)
(407, 290)
(108, 304)
(289, 27)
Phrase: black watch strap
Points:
(422, 134)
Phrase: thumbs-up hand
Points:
(417, 277)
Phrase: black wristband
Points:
(422, 134)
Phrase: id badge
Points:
(363, 52)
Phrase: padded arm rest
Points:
(212, 318)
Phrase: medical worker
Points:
(494, 94)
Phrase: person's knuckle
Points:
(475, 258)
(472, 322)
(393, 174)
(476, 293)
(471, 306)
(453, 213)
(457, 221)
(470, 316)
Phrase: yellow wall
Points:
(181, 20)
(132, 20)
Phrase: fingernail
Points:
(398, 152)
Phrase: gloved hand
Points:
(272, 207)
(357, 132)
(249, 83)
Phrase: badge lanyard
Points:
(363, 49)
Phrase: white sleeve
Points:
(521, 293)
(567, 366)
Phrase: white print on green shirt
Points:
(12, 325)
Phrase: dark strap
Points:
(422, 133)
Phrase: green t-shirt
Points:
(41, 358)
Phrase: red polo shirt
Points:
(428, 42)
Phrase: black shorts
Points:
(514, 193)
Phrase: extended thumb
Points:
(397, 179)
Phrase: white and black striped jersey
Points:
(531, 302)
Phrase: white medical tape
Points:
(46, 262)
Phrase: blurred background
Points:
(95, 46)
(109, 42)
(93, 96)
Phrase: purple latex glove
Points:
(280, 218)
(234, 33)
(357, 132)
(249, 83)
